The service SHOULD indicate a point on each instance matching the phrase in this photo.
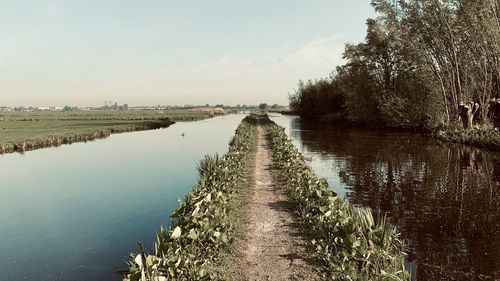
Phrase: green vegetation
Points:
(22, 131)
(205, 225)
(480, 137)
(348, 242)
(423, 64)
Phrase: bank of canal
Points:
(444, 197)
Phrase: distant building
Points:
(47, 108)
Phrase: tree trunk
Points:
(467, 112)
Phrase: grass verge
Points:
(229, 266)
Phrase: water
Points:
(74, 212)
(444, 198)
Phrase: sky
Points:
(84, 52)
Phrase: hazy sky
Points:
(82, 52)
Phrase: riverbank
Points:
(478, 137)
(24, 131)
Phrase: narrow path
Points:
(273, 249)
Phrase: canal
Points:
(444, 198)
(74, 212)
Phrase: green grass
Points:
(228, 266)
(479, 137)
(31, 130)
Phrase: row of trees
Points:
(422, 63)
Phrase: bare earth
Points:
(273, 249)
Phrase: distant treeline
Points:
(422, 65)
(116, 106)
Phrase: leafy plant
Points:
(479, 136)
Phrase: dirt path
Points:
(273, 249)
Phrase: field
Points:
(22, 131)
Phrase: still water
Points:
(444, 198)
(74, 212)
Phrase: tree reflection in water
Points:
(445, 198)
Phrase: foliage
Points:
(202, 227)
(314, 99)
(419, 60)
(480, 136)
(454, 40)
(349, 242)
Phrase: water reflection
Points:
(444, 198)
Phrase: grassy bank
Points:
(25, 131)
(479, 137)
(204, 227)
(349, 243)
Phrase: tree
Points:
(457, 41)
(263, 106)
(420, 64)
(68, 108)
(467, 112)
